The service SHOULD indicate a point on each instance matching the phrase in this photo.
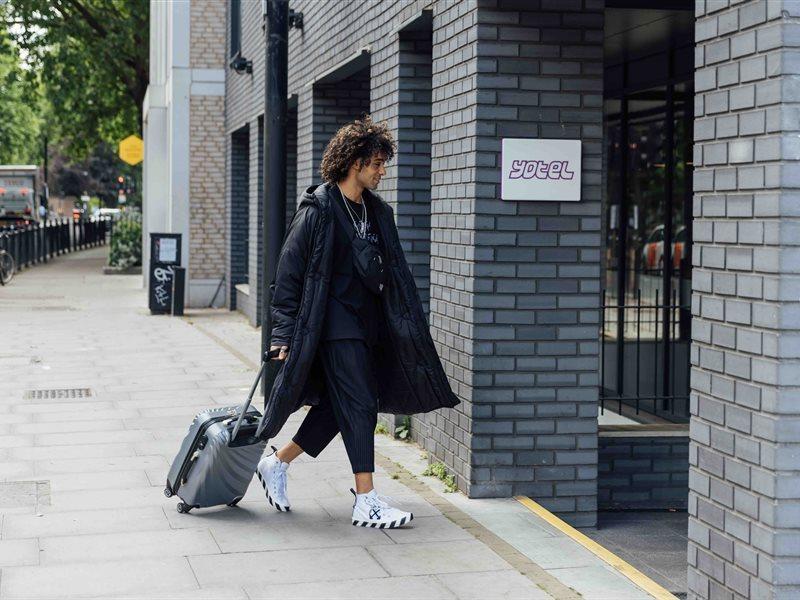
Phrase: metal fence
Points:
(39, 242)
(644, 372)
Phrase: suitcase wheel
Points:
(168, 492)
(235, 501)
(183, 508)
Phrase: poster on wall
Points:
(543, 170)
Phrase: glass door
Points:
(647, 213)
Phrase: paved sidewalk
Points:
(81, 476)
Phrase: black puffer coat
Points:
(410, 375)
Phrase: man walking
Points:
(347, 319)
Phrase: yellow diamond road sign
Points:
(131, 150)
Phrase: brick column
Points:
(744, 499)
(537, 264)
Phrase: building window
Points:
(236, 27)
(646, 335)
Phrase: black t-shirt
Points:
(353, 312)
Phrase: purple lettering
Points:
(530, 169)
(516, 169)
(539, 169)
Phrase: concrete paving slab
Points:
(85, 451)
(557, 553)
(106, 498)
(80, 414)
(70, 426)
(600, 582)
(15, 420)
(205, 593)
(121, 480)
(100, 465)
(77, 409)
(290, 566)
(167, 398)
(275, 533)
(9, 440)
(496, 585)
(243, 515)
(118, 546)
(14, 553)
(149, 578)
(428, 529)
(437, 557)
(16, 470)
(388, 588)
(77, 522)
(98, 437)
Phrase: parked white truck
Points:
(19, 200)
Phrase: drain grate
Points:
(58, 393)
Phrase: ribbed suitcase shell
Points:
(209, 472)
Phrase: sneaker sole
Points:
(269, 498)
(379, 525)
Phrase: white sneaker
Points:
(272, 475)
(372, 510)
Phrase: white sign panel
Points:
(536, 169)
(167, 250)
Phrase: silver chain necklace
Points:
(361, 225)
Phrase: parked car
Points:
(653, 248)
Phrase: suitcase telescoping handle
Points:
(271, 354)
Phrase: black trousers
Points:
(350, 405)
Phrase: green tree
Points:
(19, 99)
(92, 56)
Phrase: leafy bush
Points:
(126, 242)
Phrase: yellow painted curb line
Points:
(637, 577)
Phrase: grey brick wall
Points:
(745, 431)
(535, 265)
(334, 105)
(291, 165)
(648, 471)
(413, 210)
(447, 434)
(239, 182)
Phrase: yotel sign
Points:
(541, 169)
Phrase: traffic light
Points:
(120, 183)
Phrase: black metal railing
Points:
(39, 242)
(644, 367)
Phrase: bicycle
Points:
(8, 265)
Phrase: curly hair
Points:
(356, 141)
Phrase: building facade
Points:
(184, 137)
(634, 349)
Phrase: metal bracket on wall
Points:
(295, 19)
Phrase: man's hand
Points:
(282, 355)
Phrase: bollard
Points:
(178, 287)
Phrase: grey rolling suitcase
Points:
(218, 456)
